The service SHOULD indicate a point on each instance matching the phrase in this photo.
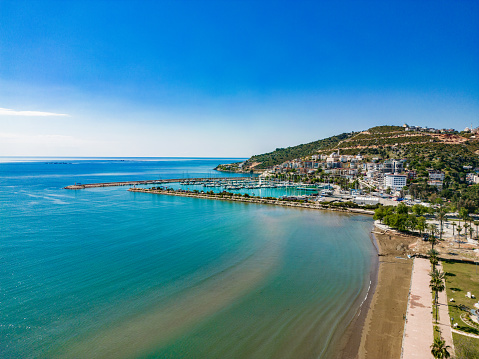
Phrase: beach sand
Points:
(382, 332)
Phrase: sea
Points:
(108, 273)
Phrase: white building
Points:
(394, 181)
(436, 176)
(436, 183)
(366, 200)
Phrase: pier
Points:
(159, 181)
(258, 200)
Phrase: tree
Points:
(421, 224)
(402, 209)
(471, 231)
(459, 230)
(454, 224)
(441, 214)
(439, 349)
(464, 214)
(411, 222)
(379, 214)
(476, 223)
(433, 240)
(437, 285)
(419, 210)
(433, 257)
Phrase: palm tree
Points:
(454, 224)
(439, 349)
(441, 214)
(464, 214)
(471, 231)
(432, 253)
(476, 223)
(432, 239)
(437, 285)
(459, 230)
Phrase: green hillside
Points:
(421, 149)
(281, 155)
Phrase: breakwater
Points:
(259, 200)
(159, 181)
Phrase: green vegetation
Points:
(422, 150)
(437, 285)
(399, 217)
(455, 155)
(465, 347)
(460, 279)
(433, 258)
(281, 155)
(439, 349)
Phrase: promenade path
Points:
(418, 334)
(444, 321)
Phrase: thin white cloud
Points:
(19, 138)
(9, 112)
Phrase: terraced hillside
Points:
(280, 155)
(393, 137)
(422, 149)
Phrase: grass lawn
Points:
(466, 348)
(460, 279)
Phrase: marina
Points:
(226, 183)
(142, 182)
(107, 272)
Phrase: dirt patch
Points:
(254, 164)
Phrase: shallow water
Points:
(108, 273)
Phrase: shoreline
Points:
(258, 200)
(376, 330)
(382, 331)
(348, 346)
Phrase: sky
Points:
(228, 78)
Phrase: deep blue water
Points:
(108, 273)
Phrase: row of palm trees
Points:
(439, 349)
(463, 215)
(467, 228)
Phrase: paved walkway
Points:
(444, 321)
(418, 333)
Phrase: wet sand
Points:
(348, 345)
(382, 333)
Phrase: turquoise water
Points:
(108, 273)
(258, 192)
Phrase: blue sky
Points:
(228, 78)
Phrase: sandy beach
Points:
(382, 332)
(377, 330)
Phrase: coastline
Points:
(382, 331)
(347, 347)
(258, 200)
(376, 330)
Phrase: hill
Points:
(422, 148)
(280, 155)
